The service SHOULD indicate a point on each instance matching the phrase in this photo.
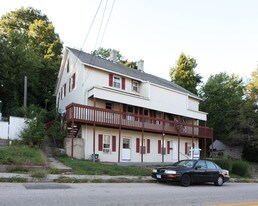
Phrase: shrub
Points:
(224, 163)
(241, 168)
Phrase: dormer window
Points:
(117, 82)
(135, 86)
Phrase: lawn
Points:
(84, 167)
(22, 155)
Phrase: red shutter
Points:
(186, 148)
(168, 147)
(64, 89)
(148, 145)
(111, 80)
(137, 145)
(123, 83)
(100, 142)
(113, 143)
(73, 81)
(159, 146)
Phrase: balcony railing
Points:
(106, 117)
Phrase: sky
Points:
(222, 35)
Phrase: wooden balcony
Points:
(77, 113)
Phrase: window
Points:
(211, 165)
(73, 81)
(108, 105)
(67, 66)
(201, 164)
(135, 86)
(129, 108)
(146, 112)
(106, 142)
(117, 82)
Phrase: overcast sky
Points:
(221, 34)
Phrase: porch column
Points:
(212, 145)
(94, 129)
(205, 142)
(72, 132)
(192, 134)
(142, 134)
(119, 134)
(163, 135)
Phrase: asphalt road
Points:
(38, 194)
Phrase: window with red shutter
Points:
(123, 83)
(159, 146)
(100, 142)
(113, 143)
(168, 147)
(110, 80)
(137, 145)
(148, 145)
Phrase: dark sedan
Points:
(191, 171)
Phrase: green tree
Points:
(184, 75)
(222, 99)
(28, 46)
(105, 54)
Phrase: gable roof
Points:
(123, 70)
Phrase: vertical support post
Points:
(205, 141)
(192, 138)
(119, 135)
(94, 129)
(212, 144)
(178, 152)
(142, 134)
(25, 94)
(72, 131)
(163, 135)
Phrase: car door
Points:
(199, 173)
(212, 171)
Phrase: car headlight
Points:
(171, 172)
(154, 170)
(225, 172)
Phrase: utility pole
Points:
(25, 93)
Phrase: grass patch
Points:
(18, 169)
(13, 179)
(54, 171)
(39, 174)
(22, 155)
(84, 167)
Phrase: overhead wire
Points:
(99, 30)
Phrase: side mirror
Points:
(198, 167)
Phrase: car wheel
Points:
(186, 180)
(219, 181)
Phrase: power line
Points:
(92, 22)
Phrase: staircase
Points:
(4, 143)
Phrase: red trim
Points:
(100, 142)
(111, 80)
(123, 83)
(136, 113)
(148, 145)
(159, 146)
(137, 145)
(168, 147)
(113, 143)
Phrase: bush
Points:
(224, 163)
(241, 168)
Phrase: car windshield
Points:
(185, 163)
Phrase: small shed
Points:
(221, 149)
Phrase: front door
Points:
(126, 149)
